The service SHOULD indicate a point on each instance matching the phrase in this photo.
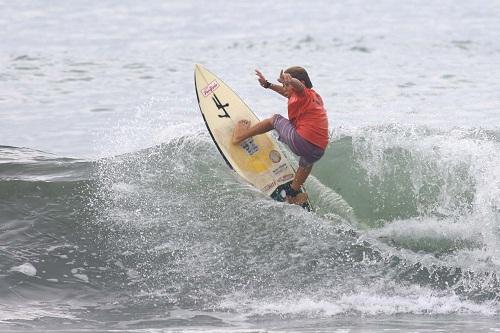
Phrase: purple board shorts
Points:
(308, 152)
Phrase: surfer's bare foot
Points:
(240, 130)
(299, 199)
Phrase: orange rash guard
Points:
(308, 116)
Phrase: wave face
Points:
(406, 222)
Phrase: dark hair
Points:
(300, 74)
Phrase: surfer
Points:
(305, 131)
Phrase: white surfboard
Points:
(258, 160)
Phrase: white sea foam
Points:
(32, 311)
(407, 300)
(26, 269)
(81, 277)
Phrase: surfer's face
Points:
(288, 89)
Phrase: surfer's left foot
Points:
(239, 131)
(299, 199)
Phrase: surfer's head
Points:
(300, 74)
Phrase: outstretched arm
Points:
(266, 84)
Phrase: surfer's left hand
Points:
(284, 78)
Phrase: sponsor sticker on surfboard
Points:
(212, 86)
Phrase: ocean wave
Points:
(412, 206)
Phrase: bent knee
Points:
(275, 117)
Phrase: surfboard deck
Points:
(258, 160)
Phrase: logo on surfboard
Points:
(285, 178)
(269, 186)
(275, 156)
(212, 86)
(250, 146)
